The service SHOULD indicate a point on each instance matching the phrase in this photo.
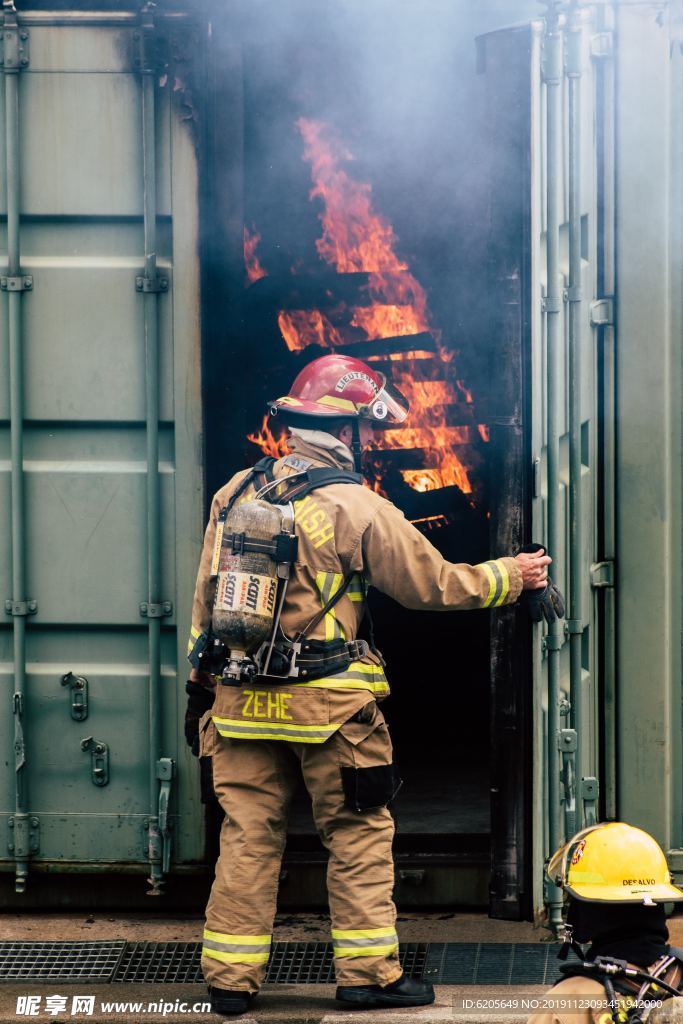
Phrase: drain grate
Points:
(291, 963)
(492, 963)
(60, 961)
(172, 963)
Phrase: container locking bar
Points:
(156, 611)
(159, 829)
(18, 283)
(21, 608)
(14, 40)
(568, 744)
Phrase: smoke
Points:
(397, 82)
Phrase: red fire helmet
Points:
(336, 385)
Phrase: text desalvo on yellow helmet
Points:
(614, 863)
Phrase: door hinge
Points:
(602, 575)
(602, 313)
(14, 40)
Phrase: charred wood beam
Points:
(423, 342)
(322, 290)
(411, 458)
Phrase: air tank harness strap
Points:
(318, 658)
(283, 547)
(620, 976)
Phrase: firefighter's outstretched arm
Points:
(400, 561)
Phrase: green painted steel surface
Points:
(85, 470)
(567, 736)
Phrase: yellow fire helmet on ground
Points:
(614, 863)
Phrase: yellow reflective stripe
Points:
(328, 583)
(236, 958)
(242, 940)
(288, 400)
(244, 721)
(499, 582)
(358, 676)
(365, 951)
(381, 688)
(364, 933)
(194, 635)
(356, 591)
(492, 583)
(505, 578)
(337, 403)
(235, 729)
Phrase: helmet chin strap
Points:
(356, 449)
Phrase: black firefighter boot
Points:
(402, 992)
(226, 1001)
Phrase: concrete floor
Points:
(412, 927)
(277, 1004)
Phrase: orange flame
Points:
(268, 442)
(252, 263)
(302, 327)
(356, 238)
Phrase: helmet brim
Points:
(388, 408)
(623, 894)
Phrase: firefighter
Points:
(617, 880)
(326, 724)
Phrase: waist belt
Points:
(315, 660)
(320, 658)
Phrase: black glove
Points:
(547, 602)
(199, 701)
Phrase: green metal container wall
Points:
(85, 468)
(566, 744)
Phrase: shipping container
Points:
(197, 201)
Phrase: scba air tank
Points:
(247, 579)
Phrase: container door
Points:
(84, 786)
(563, 701)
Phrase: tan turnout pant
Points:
(254, 782)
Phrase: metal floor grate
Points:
(492, 963)
(60, 961)
(291, 963)
(160, 963)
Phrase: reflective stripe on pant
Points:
(254, 782)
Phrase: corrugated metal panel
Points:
(85, 458)
(554, 787)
